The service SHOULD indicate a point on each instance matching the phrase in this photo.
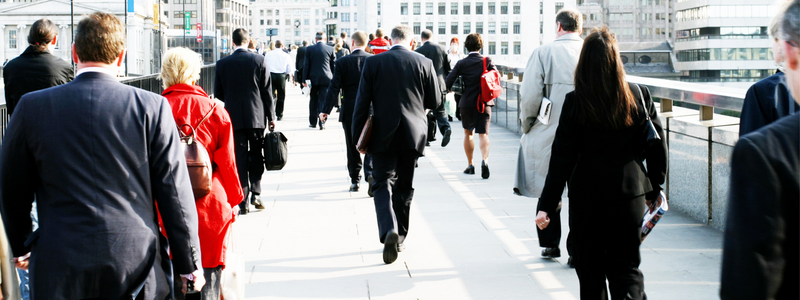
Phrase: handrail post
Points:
(706, 113)
(666, 105)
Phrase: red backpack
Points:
(490, 87)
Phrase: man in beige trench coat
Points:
(550, 73)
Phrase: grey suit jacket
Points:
(99, 157)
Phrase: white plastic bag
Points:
(233, 276)
(450, 104)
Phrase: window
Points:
(262, 12)
(454, 28)
(278, 22)
(503, 27)
(429, 8)
(516, 8)
(517, 27)
(379, 9)
(277, 12)
(453, 8)
(503, 8)
(442, 7)
(297, 32)
(517, 48)
(492, 48)
(467, 27)
(345, 17)
(429, 26)
(492, 26)
(12, 39)
(442, 28)
(403, 9)
(317, 21)
(316, 12)
(262, 22)
(479, 27)
(355, 19)
(478, 8)
(466, 8)
(503, 48)
(491, 8)
(416, 9)
(269, 22)
(345, 2)
(307, 22)
(416, 28)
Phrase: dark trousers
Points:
(354, 162)
(249, 160)
(440, 118)
(279, 87)
(608, 251)
(550, 237)
(393, 175)
(458, 108)
(316, 104)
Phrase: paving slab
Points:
(470, 238)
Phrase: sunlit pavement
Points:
(469, 238)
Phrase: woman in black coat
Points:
(475, 115)
(600, 149)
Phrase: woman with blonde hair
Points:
(180, 70)
(339, 48)
(602, 142)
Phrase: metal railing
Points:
(707, 97)
(152, 84)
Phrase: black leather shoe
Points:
(484, 170)
(369, 187)
(354, 187)
(280, 118)
(551, 252)
(321, 127)
(256, 201)
(242, 211)
(470, 170)
(401, 247)
(390, 247)
(312, 126)
(428, 143)
(449, 118)
(446, 138)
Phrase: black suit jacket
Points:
(471, 68)
(33, 70)
(96, 154)
(299, 62)
(441, 62)
(243, 82)
(346, 78)
(604, 162)
(762, 231)
(319, 64)
(399, 84)
(766, 101)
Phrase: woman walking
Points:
(190, 104)
(475, 114)
(454, 54)
(600, 147)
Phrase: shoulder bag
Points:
(652, 134)
(458, 85)
(276, 152)
(197, 160)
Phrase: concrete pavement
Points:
(469, 238)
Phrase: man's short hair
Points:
(474, 42)
(359, 38)
(379, 33)
(790, 25)
(100, 37)
(180, 65)
(320, 35)
(402, 33)
(278, 44)
(42, 33)
(343, 35)
(240, 36)
(305, 43)
(571, 20)
(426, 34)
(331, 38)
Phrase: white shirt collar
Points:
(96, 69)
(399, 45)
(475, 52)
(359, 48)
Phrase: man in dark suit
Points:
(343, 35)
(399, 84)
(299, 62)
(243, 82)
(346, 79)
(441, 62)
(318, 67)
(761, 250)
(95, 154)
(766, 101)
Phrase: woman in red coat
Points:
(180, 70)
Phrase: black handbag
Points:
(652, 134)
(275, 150)
(458, 85)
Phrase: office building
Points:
(295, 20)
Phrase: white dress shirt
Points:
(279, 62)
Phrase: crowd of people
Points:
(98, 200)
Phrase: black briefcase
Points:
(275, 150)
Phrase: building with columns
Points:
(143, 38)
